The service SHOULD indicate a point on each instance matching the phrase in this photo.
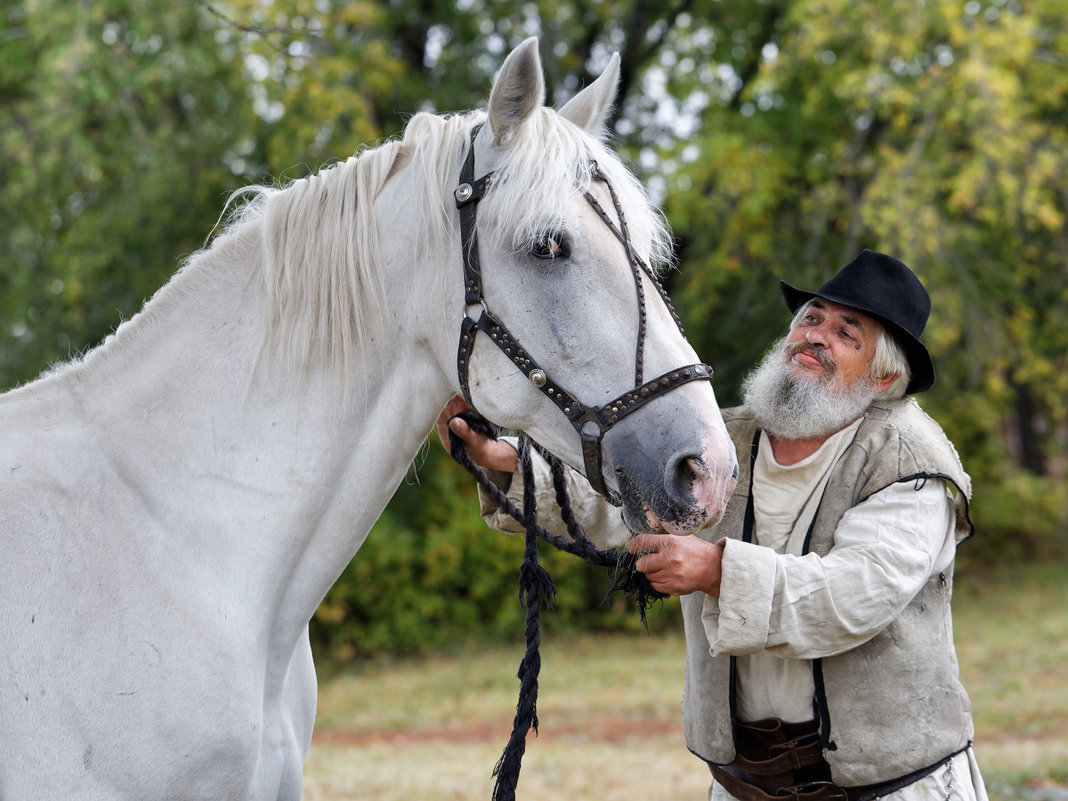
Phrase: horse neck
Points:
(246, 456)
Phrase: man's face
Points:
(832, 342)
(816, 380)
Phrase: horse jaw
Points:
(591, 107)
(518, 91)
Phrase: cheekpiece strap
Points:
(467, 195)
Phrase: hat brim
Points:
(920, 364)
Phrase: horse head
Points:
(565, 248)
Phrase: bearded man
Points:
(820, 661)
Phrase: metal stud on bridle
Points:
(591, 422)
(463, 193)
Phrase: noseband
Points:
(591, 422)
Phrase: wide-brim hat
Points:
(886, 289)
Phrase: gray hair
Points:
(890, 358)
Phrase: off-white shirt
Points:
(778, 608)
(785, 501)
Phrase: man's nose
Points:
(816, 335)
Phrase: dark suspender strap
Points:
(747, 536)
(748, 522)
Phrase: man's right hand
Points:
(484, 451)
(679, 565)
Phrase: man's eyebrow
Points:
(847, 318)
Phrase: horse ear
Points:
(518, 90)
(590, 108)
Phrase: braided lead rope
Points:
(536, 588)
(625, 577)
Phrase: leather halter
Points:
(591, 422)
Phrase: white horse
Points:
(174, 505)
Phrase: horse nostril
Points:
(683, 473)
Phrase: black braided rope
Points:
(536, 588)
(626, 578)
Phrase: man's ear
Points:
(883, 384)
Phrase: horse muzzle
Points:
(681, 494)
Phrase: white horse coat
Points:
(174, 506)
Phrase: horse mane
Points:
(319, 256)
(317, 234)
(318, 246)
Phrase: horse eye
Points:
(551, 246)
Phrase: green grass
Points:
(1011, 629)
(611, 714)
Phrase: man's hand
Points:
(487, 453)
(678, 565)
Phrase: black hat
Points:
(884, 288)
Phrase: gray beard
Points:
(799, 407)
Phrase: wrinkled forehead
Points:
(847, 315)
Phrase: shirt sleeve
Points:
(807, 607)
(601, 521)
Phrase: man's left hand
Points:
(678, 565)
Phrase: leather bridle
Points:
(591, 422)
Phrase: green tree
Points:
(927, 129)
(118, 124)
(930, 130)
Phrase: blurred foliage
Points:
(117, 118)
(781, 136)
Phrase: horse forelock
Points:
(550, 159)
